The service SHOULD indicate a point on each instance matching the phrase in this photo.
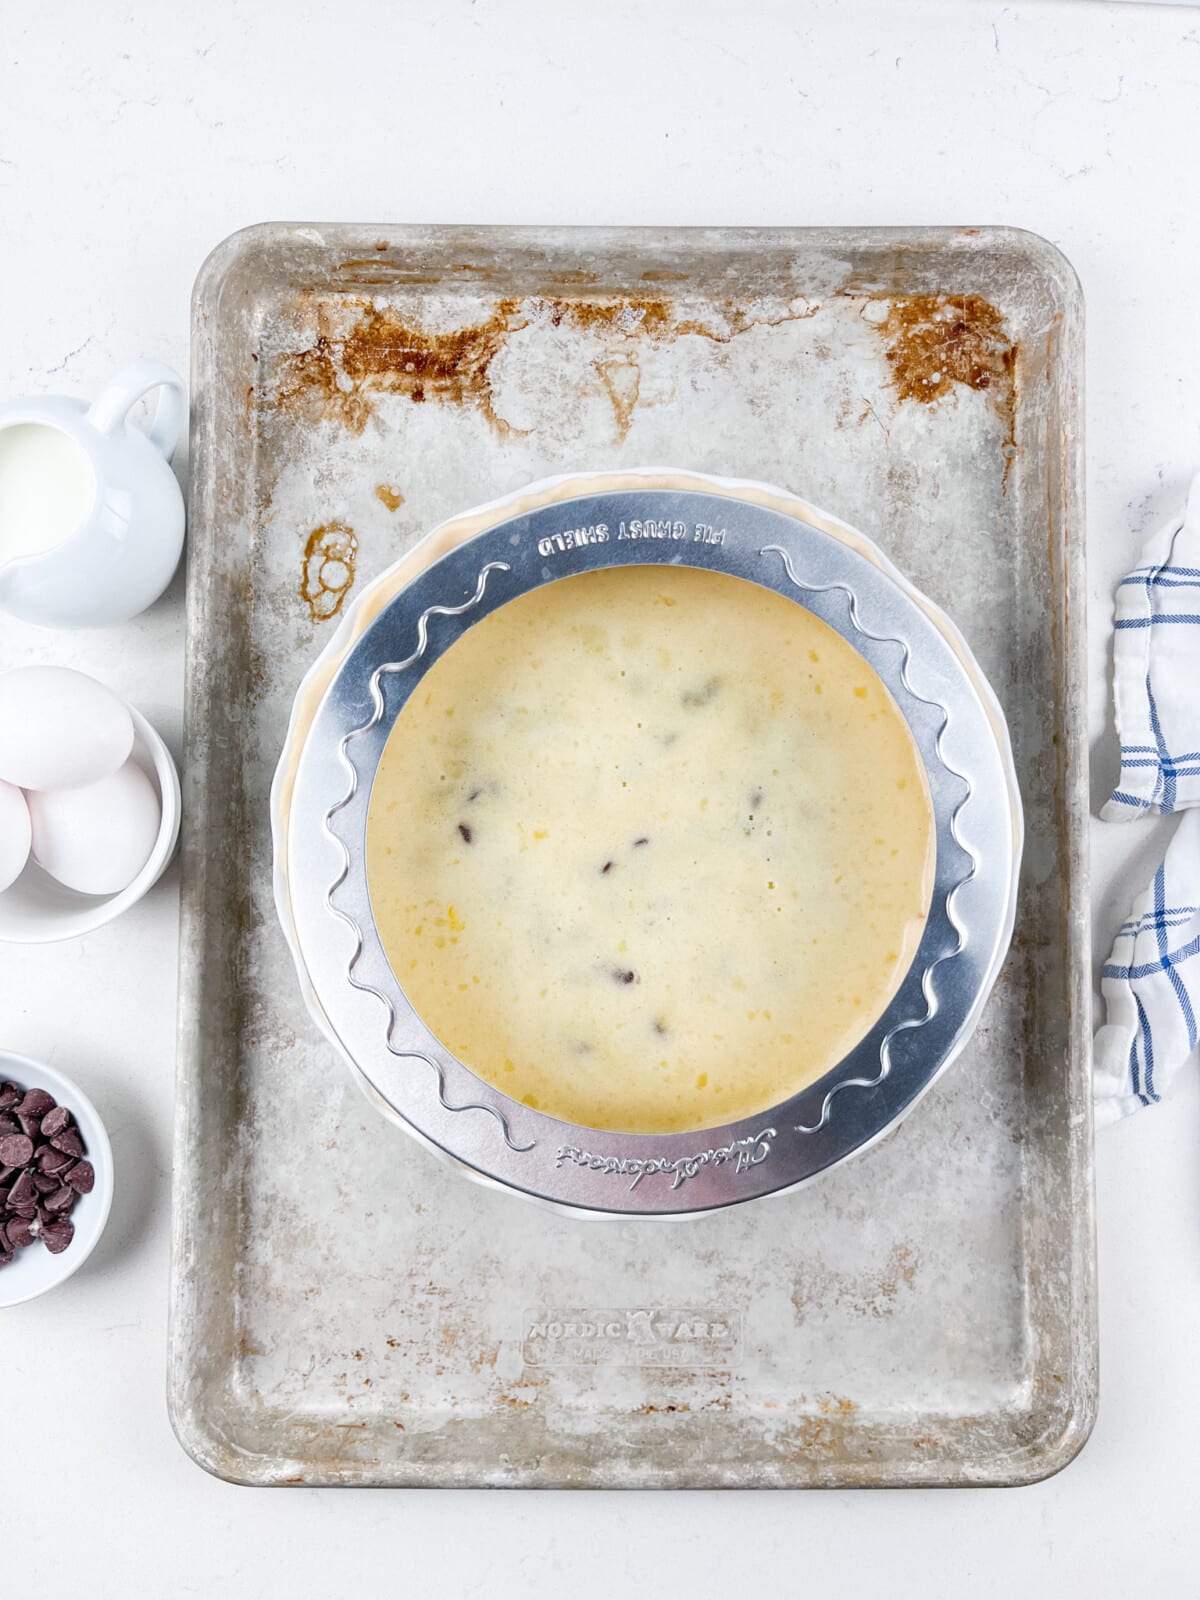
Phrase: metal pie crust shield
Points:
(321, 886)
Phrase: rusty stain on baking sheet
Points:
(342, 373)
(390, 495)
(933, 341)
(338, 377)
(622, 380)
(328, 572)
(871, 1293)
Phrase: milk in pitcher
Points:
(46, 488)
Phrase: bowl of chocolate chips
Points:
(56, 1178)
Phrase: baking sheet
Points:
(345, 1310)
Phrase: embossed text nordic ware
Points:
(955, 722)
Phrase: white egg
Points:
(14, 834)
(59, 728)
(96, 838)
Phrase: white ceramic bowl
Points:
(38, 910)
(34, 1270)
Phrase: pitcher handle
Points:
(114, 402)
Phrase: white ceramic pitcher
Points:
(91, 515)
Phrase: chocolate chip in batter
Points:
(703, 696)
(638, 843)
(607, 867)
(624, 975)
(465, 832)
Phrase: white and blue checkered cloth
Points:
(1151, 985)
(1156, 673)
(1151, 982)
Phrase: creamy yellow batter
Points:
(650, 848)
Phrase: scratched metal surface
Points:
(344, 1308)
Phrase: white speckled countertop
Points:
(135, 137)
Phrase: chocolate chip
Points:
(22, 1190)
(81, 1177)
(624, 975)
(638, 843)
(703, 696)
(465, 831)
(55, 1121)
(42, 1173)
(20, 1233)
(16, 1149)
(474, 795)
(607, 867)
(659, 1025)
(56, 1236)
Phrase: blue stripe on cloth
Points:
(1129, 799)
(1181, 994)
(1150, 574)
(1158, 919)
(1133, 1071)
(1166, 778)
(1172, 580)
(1159, 616)
(1134, 930)
(1148, 1051)
(1175, 959)
(1176, 770)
